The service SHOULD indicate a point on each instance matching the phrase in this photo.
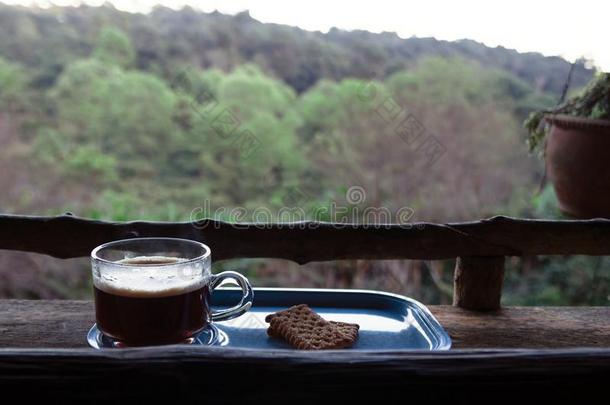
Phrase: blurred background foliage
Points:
(121, 116)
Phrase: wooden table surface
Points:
(64, 324)
(551, 354)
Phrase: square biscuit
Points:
(304, 329)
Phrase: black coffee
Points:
(142, 311)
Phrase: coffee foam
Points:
(150, 260)
(151, 276)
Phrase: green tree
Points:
(114, 47)
(246, 132)
(344, 135)
(126, 115)
(12, 85)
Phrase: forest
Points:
(179, 115)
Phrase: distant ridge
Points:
(45, 39)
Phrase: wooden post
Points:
(477, 282)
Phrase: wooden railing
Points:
(546, 354)
(480, 246)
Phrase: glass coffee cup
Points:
(155, 291)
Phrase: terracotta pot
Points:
(578, 164)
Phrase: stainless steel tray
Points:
(387, 321)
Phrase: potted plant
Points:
(575, 139)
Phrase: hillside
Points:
(45, 39)
(180, 115)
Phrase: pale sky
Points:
(570, 29)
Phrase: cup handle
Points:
(246, 299)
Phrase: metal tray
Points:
(387, 321)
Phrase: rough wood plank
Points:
(67, 236)
(64, 324)
(226, 375)
(66, 369)
(477, 282)
(526, 327)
